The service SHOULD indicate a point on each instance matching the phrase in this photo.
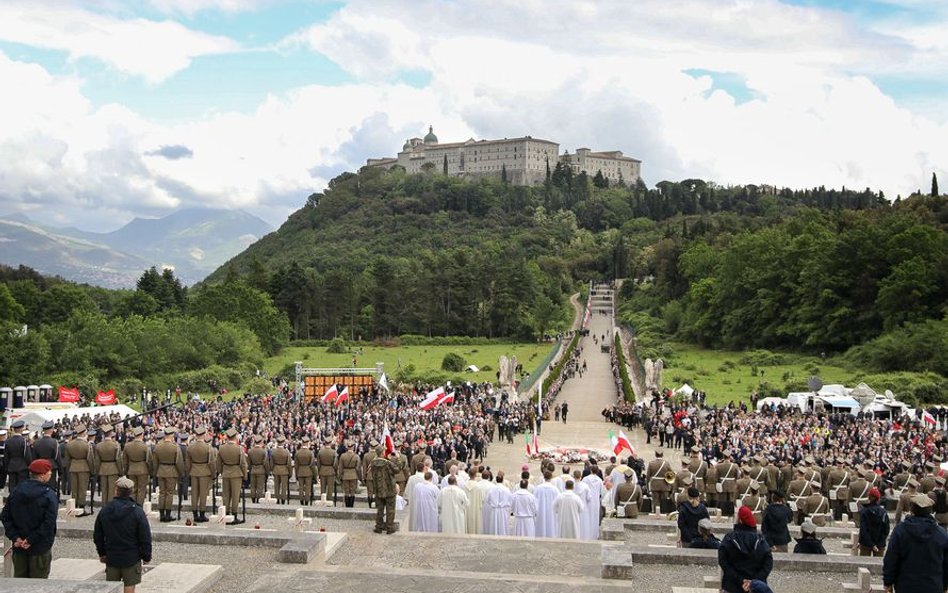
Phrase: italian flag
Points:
(330, 394)
(620, 442)
(343, 395)
(433, 399)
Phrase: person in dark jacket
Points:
(774, 526)
(122, 537)
(744, 554)
(873, 526)
(689, 514)
(916, 560)
(705, 539)
(29, 521)
(809, 543)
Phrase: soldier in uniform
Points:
(167, 466)
(905, 499)
(304, 462)
(136, 457)
(420, 457)
(348, 468)
(727, 477)
(686, 483)
(858, 495)
(63, 473)
(761, 475)
(754, 501)
(281, 469)
(940, 502)
(366, 468)
(404, 472)
(628, 496)
(386, 489)
(18, 455)
(902, 478)
(201, 464)
(108, 463)
(233, 468)
(79, 464)
(927, 483)
(698, 467)
(257, 457)
(655, 474)
(784, 474)
(682, 474)
(326, 464)
(46, 447)
(743, 483)
(798, 491)
(711, 486)
(815, 506)
(839, 483)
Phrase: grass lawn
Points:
(423, 357)
(727, 375)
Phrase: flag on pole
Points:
(343, 395)
(387, 440)
(433, 399)
(927, 418)
(383, 382)
(448, 398)
(526, 437)
(620, 442)
(330, 394)
(536, 443)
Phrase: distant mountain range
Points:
(194, 241)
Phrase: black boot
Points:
(194, 516)
(370, 498)
(164, 516)
(351, 502)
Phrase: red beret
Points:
(874, 493)
(746, 517)
(40, 467)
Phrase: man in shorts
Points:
(122, 537)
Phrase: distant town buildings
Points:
(522, 161)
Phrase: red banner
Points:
(106, 398)
(69, 394)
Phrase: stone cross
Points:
(221, 517)
(152, 515)
(267, 498)
(69, 511)
(298, 521)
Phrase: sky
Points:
(113, 109)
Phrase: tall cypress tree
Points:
(934, 185)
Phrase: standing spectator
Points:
(564, 411)
(690, 514)
(29, 521)
(774, 527)
(122, 537)
(916, 560)
(873, 526)
(744, 554)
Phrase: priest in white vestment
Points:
(524, 509)
(452, 501)
(424, 506)
(545, 494)
(592, 514)
(568, 509)
(475, 501)
(415, 478)
(497, 508)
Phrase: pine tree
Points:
(935, 193)
(445, 165)
(503, 173)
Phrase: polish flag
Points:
(330, 394)
(343, 395)
(620, 442)
(448, 398)
(387, 439)
(433, 399)
(927, 418)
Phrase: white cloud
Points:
(154, 50)
(192, 7)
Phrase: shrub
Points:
(337, 346)
(762, 358)
(453, 362)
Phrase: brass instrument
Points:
(670, 477)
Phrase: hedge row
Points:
(627, 392)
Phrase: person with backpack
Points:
(744, 554)
(873, 526)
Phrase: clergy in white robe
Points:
(560, 480)
(415, 478)
(582, 491)
(475, 502)
(452, 501)
(424, 506)
(568, 509)
(546, 494)
(497, 508)
(524, 508)
(592, 514)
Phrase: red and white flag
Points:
(928, 419)
(106, 398)
(448, 398)
(620, 442)
(69, 394)
(343, 395)
(330, 394)
(387, 439)
(433, 398)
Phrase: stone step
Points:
(76, 569)
(617, 529)
(11, 585)
(172, 577)
(323, 512)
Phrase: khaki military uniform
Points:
(763, 477)
(201, 465)
(233, 467)
(660, 489)
(402, 475)
(727, 477)
(699, 469)
(168, 467)
(816, 506)
(797, 492)
(257, 457)
(281, 469)
(710, 485)
(839, 482)
(136, 457)
(109, 466)
(79, 464)
(859, 496)
(305, 461)
(756, 504)
(926, 484)
(383, 476)
(366, 475)
(348, 468)
(905, 505)
(326, 470)
(628, 498)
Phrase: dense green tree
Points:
(240, 303)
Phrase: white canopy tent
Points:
(34, 417)
(686, 389)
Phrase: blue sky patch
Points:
(730, 82)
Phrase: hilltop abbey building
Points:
(523, 161)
